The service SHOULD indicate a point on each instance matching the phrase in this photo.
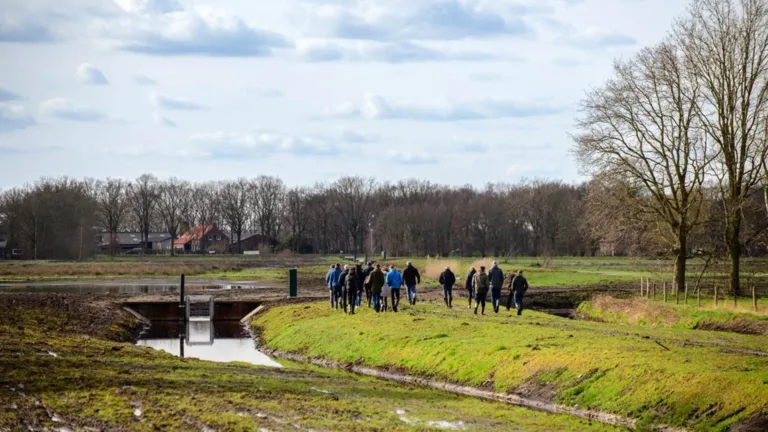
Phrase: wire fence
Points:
(710, 292)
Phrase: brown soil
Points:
(739, 325)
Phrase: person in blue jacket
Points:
(332, 279)
(395, 281)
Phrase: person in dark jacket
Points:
(447, 279)
(496, 280)
(342, 292)
(411, 277)
(480, 283)
(360, 282)
(366, 282)
(511, 283)
(519, 287)
(376, 281)
(353, 288)
(470, 286)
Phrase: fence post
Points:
(677, 293)
(182, 301)
(735, 299)
(653, 291)
(715, 296)
(754, 298)
(686, 293)
(293, 283)
(641, 286)
(698, 296)
(664, 288)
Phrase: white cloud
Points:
(67, 110)
(236, 145)
(21, 28)
(397, 52)
(164, 28)
(593, 38)
(161, 120)
(174, 103)
(88, 74)
(14, 117)
(144, 80)
(376, 107)
(356, 137)
(420, 20)
(268, 92)
(407, 158)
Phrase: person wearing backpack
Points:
(496, 280)
(411, 277)
(376, 283)
(519, 287)
(469, 285)
(395, 282)
(511, 297)
(332, 279)
(352, 284)
(342, 291)
(480, 284)
(447, 279)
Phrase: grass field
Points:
(540, 271)
(696, 379)
(61, 369)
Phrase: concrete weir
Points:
(170, 311)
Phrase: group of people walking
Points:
(379, 284)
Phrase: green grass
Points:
(97, 383)
(608, 367)
(656, 313)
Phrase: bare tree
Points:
(143, 195)
(204, 207)
(173, 202)
(641, 128)
(267, 194)
(351, 198)
(112, 200)
(233, 199)
(726, 45)
(296, 211)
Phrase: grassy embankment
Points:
(700, 380)
(655, 313)
(63, 370)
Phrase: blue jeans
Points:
(377, 302)
(519, 302)
(496, 297)
(411, 293)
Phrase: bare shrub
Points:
(434, 267)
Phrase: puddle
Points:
(219, 341)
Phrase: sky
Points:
(451, 91)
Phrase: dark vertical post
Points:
(293, 283)
(182, 302)
(754, 298)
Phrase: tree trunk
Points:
(680, 263)
(734, 252)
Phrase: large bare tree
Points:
(641, 128)
(173, 203)
(726, 45)
(351, 197)
(113, 204)
(233, 201)
(267, 196)
(143, 194)
(296, 203)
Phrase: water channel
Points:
(219, 341)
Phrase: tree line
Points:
(352, 214)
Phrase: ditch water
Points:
(218, 341)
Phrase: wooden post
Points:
(664, 287)
(677, 294)
(698, 296)
(754, 298)
(715, 296)
(735, 300)
(641, 286)
(653, 292)
(686, 293)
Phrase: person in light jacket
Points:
(395, 282)
(481, 285)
